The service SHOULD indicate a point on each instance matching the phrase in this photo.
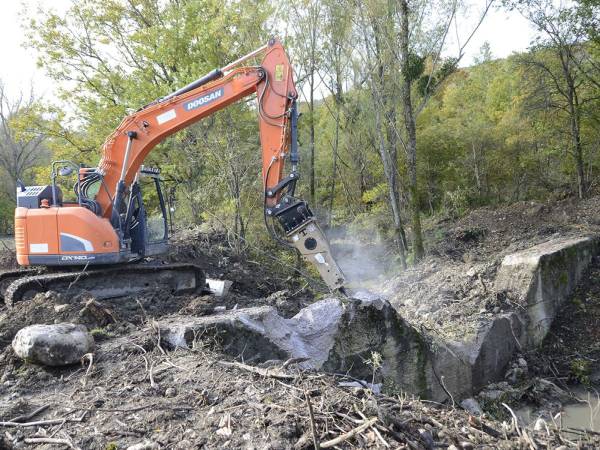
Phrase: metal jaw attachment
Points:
(314, 247)
(300, 226)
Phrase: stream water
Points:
(584, 415)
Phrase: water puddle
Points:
(578, 416)
(584, 414)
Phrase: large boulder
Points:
(53, 345)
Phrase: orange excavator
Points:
(106, 225)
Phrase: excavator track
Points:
(110, 282)
(9, 276)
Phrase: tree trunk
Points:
(389, 170)
(476, 170)
(576, 138)
(334, 168)
(411, 135)
(338, 101)
(311, 107)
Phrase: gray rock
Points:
(472, 406)
(53, 345)
(146, 445)
(170, 392)
(426, 437)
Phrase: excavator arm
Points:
(126, 149)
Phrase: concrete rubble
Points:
(367, 338)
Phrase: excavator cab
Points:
(145, 228)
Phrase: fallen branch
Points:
(30, 415)
(583, 430)
(480, 426)
(42, 422)
(350, 434)
(272, 373)
(313, 427)
(515, 420)
(374, 428)
(74, 282)
(49, 441)
(291, 361)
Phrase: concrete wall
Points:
(541, 278)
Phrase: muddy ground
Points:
(135, 390)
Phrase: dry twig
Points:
(43, 440)
(42, 422)
(313, 427)
(349, 434)
(272, 373)
(30, 415)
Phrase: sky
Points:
(506, 33)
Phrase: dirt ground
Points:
(137, 391)
(571, 352)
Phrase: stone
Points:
(60, 308)
(472, 406)
(219, 288)
(50, 295)
(146, 445)
(95, 314)
(540, 425)
(53, 345)
(170, 392)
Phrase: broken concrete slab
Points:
(492, 349)
(542, 277)
(260, 333)
(218, 288)
(365, 338)
(53, 345)
(484, 323)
